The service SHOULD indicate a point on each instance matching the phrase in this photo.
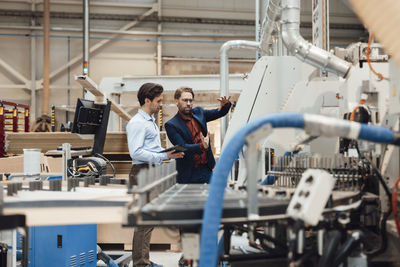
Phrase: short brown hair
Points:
(150, 91)
(182, 89)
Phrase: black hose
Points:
(351, 243)
(330, 249)
(385, 216)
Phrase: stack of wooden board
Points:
(15, 142)
(116, 142)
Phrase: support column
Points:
(85, 40)
(33, 68)
(159, 46)
(46, 57)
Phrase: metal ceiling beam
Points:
(12, 86)
(120, 32)
(102, 4)
(96, 46)
(13, 71)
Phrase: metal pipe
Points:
(304, 50)
(33, 66)
(272, 15)
(46, 57)
(159, 46)
(86, 37)
(123, 32)
(224, 71)
(33, 72)
(257, 23)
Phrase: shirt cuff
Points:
(165, 156)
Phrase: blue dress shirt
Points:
(144, 139)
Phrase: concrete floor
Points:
(167, 259)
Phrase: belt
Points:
(134, 171)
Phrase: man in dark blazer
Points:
(188, 128)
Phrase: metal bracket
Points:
(252, 160)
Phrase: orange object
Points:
(353, 113)
(394, 204)
(380, 76)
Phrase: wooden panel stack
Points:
(16, 142)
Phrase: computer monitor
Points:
(91, 118)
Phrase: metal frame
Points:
(33, 85)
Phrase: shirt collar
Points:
(145, 115)
(184, 117)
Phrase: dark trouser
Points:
(201, 174)
(141, 246)
(142, 234)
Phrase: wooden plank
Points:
(16, 142)
(75, 215)
(116, 142)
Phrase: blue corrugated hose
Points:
(213, 207)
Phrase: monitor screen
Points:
(91, 118)
(88, 117)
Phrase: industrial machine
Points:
(307, 174)
(90, 119)
(308, 170)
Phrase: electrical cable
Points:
(385, 215)
(394, 204)
(108, 161)
(330, 250)
(380, 76)
(351, 243)
(353, 113)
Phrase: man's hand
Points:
(223, 101)
(205, 140)
(175, 155)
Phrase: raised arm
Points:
(214, 114)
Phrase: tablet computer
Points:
(177, 149)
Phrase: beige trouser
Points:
(141, 246)
(142, 234)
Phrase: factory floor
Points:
(166, 259)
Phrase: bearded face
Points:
(185, 104)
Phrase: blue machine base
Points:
(63, 246)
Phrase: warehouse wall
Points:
(131, 54)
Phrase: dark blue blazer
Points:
(179, 134)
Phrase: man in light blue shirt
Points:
(144, 147)
(144, 139)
